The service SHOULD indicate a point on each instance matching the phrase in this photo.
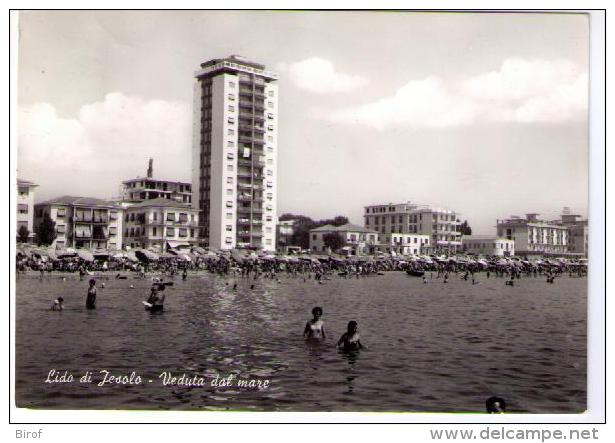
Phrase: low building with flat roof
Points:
(403, 244)
(490, 245)
(356, 239)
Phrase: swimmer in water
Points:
(315, 328)
(495, 405)
(350, 340)
(156, 298)
(58, 304)
(90, 301)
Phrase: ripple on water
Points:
(432, 347)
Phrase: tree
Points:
(303, 224)
(339, 220)
(333, 240)
(465, 228)
(23, 234)
(46, 232)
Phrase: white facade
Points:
(404, 244)
(488, 245)
(533, 236)
(83, 222)
(357, 240)
(25, 207)
(160, 223)
(439, 224)
(235, 154)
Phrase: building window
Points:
(61, 212)
(231, 97)
(171, 232)
(183, 232)
(270, 116)
(229, 227)
(154, 231)
(228, 240)
(61, 229)
(229, 168)
(112, 215)
(23, 208)
(230, 144)
(229, 204)
(231, 108)
(231, 120)
(231, 85)
(230, 156)
(112, 230)
(229, 215)
(270, 93)
(270, 104)
(229, 192)
(171, 216)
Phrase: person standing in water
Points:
(58, 304)
(315, 328)
(156, 299)
(90, 301)
(350, 340)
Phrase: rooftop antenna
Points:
(150, 168)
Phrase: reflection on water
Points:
(431, 347)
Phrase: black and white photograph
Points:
(303, 211)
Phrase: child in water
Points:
(58, 304)
(315, 328)
(350, 340)
(90, 301)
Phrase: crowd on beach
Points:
(251, 267)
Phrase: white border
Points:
(597, 240)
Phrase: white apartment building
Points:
(488, 245)
(439, 224)
(403, 244)
(234, 155)
(578, 234)
(25, 207)
(161, 223)
(533, 236)
(83, 222)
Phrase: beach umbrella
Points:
(146, 256)
(85, 255)
(130, 255)
(52, 254)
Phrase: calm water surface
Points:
(431, 347)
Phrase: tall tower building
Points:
(234, 153)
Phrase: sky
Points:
(482, 113)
